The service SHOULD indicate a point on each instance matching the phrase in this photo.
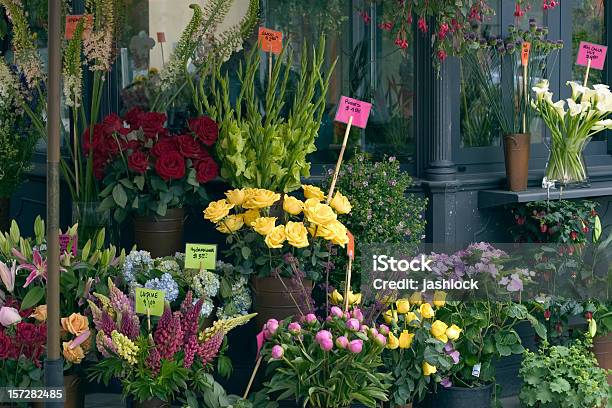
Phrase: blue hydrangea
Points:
(136, 262)
(207, 307)
(206, 284)
(168, 265)
(165, 284)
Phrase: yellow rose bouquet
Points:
(420, 347)
(269, 233)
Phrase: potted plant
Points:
(283, 249)
(153, 174)
(163, 360)
(599, 315)
(508, 97)
(560, 376)
(326, 365)
(572, 129)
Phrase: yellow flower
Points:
(341, 204)
(438, 330)
(392, 342)
(336, 297)
(335, 232)
(292, 205)
(276, 237)
(453, 332)
(403, 306)
(412, 319)
(439, 299)
(75, 324)
(416, 298)
(427, 311)
(264, 225)
(318, 213)
(390, 316)
(313, 192)
(249, 216)
(217, 210)
(428, 369)
(405, 339)
(260, 198)
(126, 349)
(231, 223)
(75, 355)
(40, 313)
(297, 235)
(235, 197)
(354, 298)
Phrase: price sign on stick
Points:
(201, 256)
(65, 240)
(350, 248)
(591, 56)
(161, 37)
(72, 21)
(525, 49)
(270, 40)
(149, 301)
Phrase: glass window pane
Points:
(588, 17)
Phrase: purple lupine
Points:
(191, 348)
(104, 344)
(106, 323)
(169, 335)
(191, 320)
(130, 326)
(210, 348)
(187, 303)
(153, 361)
(118, 300)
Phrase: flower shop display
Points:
(283, 249)
(153, 174)
(421, 348)
(484, 58)
(559, 376)
(571, 129)
(161, 361)
(326, 364)
(269, 150)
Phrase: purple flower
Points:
(356, 346)
(277, 352)
(326, 344)
(455, 356)
(38, 268)
(342, 342)
(446, 382)
(353, 325)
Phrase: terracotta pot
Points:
(516, 155)
(160, 235)
(152, 403)
(276, 298)
(75, 392)
(5, 213)
(602, 348)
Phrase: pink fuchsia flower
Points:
(38, 268)
(355, 346)
(353, 325)
(294, 328)
(9, 316)
(323, 335)
(277, 352)
(383, 329)
(326, 344)
(8, 276)
(380, 340)
(336, 312)
(342, 342)
(422, 25)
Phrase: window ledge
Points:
(496, 198)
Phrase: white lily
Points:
(7, 275)
(602, 124)
(575, 109)
(560, 108)
(577, 89)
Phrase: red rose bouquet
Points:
(147, 169)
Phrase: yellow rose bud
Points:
(235, 197)
(297, 235)
(403, 306)
(392, 342)
(439, 299)
(75, 355)
(292, 205)
(428, 369)
(75, 324)
(260, 198)
(336, 297)
(335, 232)
(390, 316)
(438, 330)
(426, 311)
(276, 237)
(354, 298)
(405, 339)
(250, 216)
(40, 313)
(231, 223)
(416, 298)
(340, 203)
(313, 192)
(318, 213)
(264, 225)
(412, 319)
(453, 332)
(217, 210)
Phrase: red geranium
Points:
(138, 161)
(188, 146)
(170, 166)
(206, 170)
(205, 129)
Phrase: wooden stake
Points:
(149, 319)
(526, 91)
(347, 290)
(253, 374)
(344, 142)
(586, 76)
(162, 52)
(269, 68)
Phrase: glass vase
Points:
(566, 165)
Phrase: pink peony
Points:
(294, 328)
(336, 311)
(311, 318)
(323, 335)
(353, 325)
(277, 352)
(326, 344)
(342, 342)
(355, 346)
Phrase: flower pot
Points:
(152, 403)
(276, 298)
(75, 392)
(5, 213)
(566, 164)
(458, 397)
(89, 218)
(516, 155)
(602, 348)
(160, 235)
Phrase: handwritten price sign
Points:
(66, 241)
(594, 53)
(149, 301)
(359, 110)
(201, 256)
(270, 40)
(72, 21)
(350, 248)
(525, 49)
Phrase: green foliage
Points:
(560, 376)
(269, 150)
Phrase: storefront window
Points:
(588, 17)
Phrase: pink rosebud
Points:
(380, 340)
(310, 318)
(355, 346)
(336, 311)
(353, 325)
(383, 329)
(373, 332)
(323, 335)
(358, 315)
(277, 352)
(8, 316)
(326, 344)
(294, 328)
(271, 326)
(342, 342)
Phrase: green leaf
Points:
(31, 299)
(560, 385)
(140, 182)
(119, 195)
(246, 252)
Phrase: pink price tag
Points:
(260, 342)
(359, 110)
(594, 52)
(65, 240)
